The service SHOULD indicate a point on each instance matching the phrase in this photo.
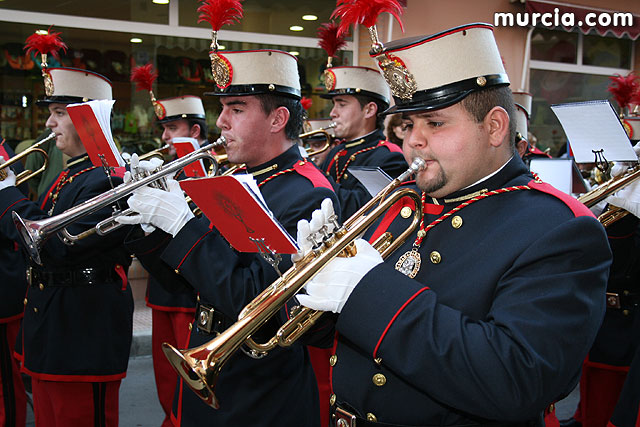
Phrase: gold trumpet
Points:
(328, 139)
(613, 213)
(158, 152)
(34, 233)
(200, 366)
(27, 174)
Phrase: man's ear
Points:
(279, 119)
(497, 124)
(194, 132)
(370, 110)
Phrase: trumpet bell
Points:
(196, 376)
(29, 235)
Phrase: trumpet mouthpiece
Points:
(418, 165)
(221, 141)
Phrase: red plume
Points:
(364, 12)
(44, 44)
(306, 102)
(329, 39)
(623, 88)
(220, 12)
(144, 76)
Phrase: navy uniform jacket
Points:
(371, 150)
(75, 333)
(12, 263)
(279, 389)
(495, 325)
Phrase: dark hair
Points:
(364, 100)
(394, 120)
(270, 102)
(204, 128)
(479, 103)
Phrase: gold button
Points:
(177, 271)
(405, 212)
(332, 399)
(345, 176)
(625, 312)
(352, 158)
(379, 380)
(190, 326)
(378, 361)
(456, 221)
(35, 309)
(371, 417)
(41, 286)
(422, 233)
(272, 86)
(333, 360)
(435, 257)
(25, 301)
(481, 81)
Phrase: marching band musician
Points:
(13, 398)
(358, 95)
(78, 310)
(467, 323)
(172, 308)
(261, 119)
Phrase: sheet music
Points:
(373, 179)
(594, 125)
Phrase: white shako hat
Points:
(71, 85)
(179, 107)
(436, 71)
(253, 72)
(353, 80)
(522, 102)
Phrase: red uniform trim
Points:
(123, 276)
(167, 237)
(12, 318)
(11, 205)
(190, 249)
(339, 154)
(390, 145)
(74, 378)
(395, 316)
(313, 174)
(171, 308)
(3, 151)
(390, 216)
(605, 366)
(576, 207)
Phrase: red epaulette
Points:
(312, 173)
(576, 207)
(390, 145)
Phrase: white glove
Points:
(167, 210)
(310, 231)
(10, 180)
(627, 198)
(140, 167)
(330, 289)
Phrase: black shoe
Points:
(570, 422)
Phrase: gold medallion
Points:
(402, 83)
(159, 109)
(329, 79)
(221, 70)
(409, 263)
(48, 83)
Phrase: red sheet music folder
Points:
(93, 135)
(238, 214)
(185, 146)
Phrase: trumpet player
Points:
(78, 310)
(261, 119)
(485, 313)
(358, 95)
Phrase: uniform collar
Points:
(78, 162)
(372, 137)
(281, 162)
(509, 171)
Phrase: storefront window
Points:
(554, 46)
(607, 52)
(125, 10)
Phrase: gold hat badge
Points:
(144, 76)
(366, 12)
(219, 13)
(44, 44)
(331, 41)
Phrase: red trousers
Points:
(320, 363)
(171, 327)
(13, 398)
(69, 404)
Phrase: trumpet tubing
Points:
(35, 233)
(200, 366)
(28, 174)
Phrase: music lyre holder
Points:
(601, 162)
(268, 254)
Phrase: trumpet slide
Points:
(200, 366)
(27, 174)
(34, 233)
